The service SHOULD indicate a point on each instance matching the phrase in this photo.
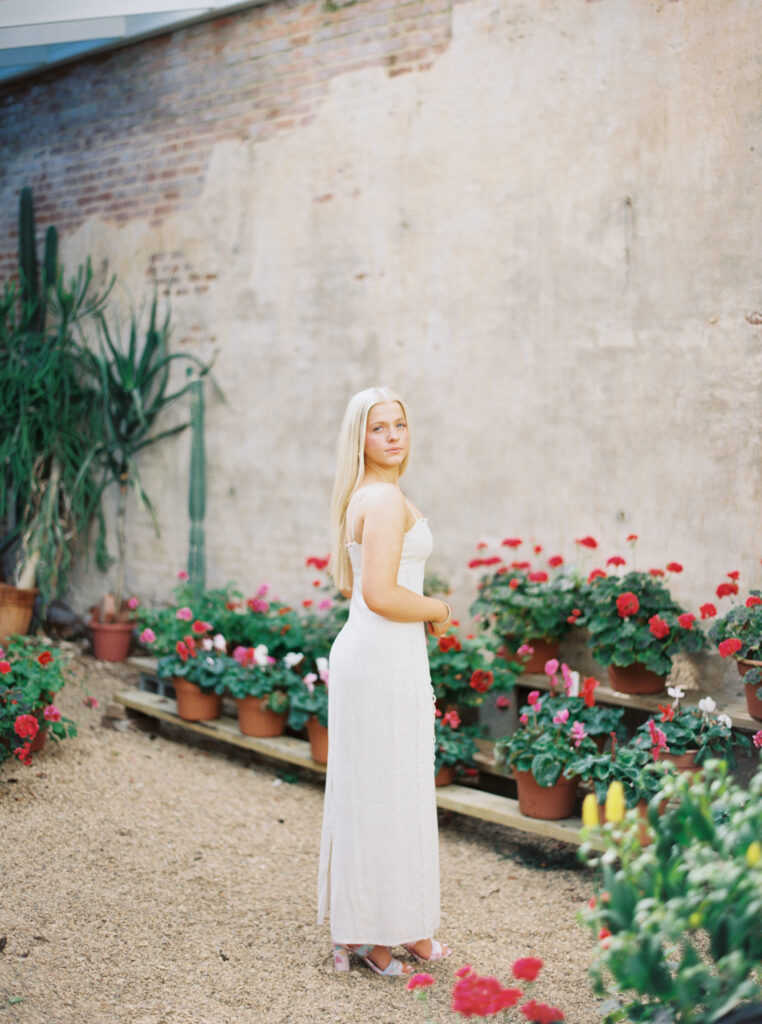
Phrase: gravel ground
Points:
(154, 879)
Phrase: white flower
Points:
(322, 667)
(574, 686)
(209, 661)
(725, 720)
(220, 643)
(206, 643)
(292, 658)
(309, 681)
(706, 704)
(676, 691)
(260, 655)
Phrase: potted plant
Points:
(308, 706)
(677, 922)
(738, 634)
(689, 736)
(636, 628)
(48, 426)
(464, 669)
(454, 746)
(568, 698)
(543, 754)
(160, 628)
(134, 389)
(261, 686)
(31, 674)
(199, 668)
(529, 607)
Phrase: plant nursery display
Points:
(455, 746)
(677, 921)
(464, 669)
(738, 634)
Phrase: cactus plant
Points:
(34, 297)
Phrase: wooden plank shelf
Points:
(466, 800)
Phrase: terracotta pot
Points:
(256, 720)
(318, 736)
(635, 678)
(544, 650)
(753, 703)
(547, 802)
(111, 640)
(39, 741)
(445, 776)
(193, 703)
(683, 762)
(16, 610)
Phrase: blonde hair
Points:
(350, 468)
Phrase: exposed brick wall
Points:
(128, 133)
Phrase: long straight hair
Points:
(350, 468)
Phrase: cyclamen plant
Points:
(680, 729)
(474, 995)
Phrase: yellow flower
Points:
(754, 853)
(590, 811)
(615, 806)
(695, 919)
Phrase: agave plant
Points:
(134, 381)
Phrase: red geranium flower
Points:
(708, 611)
(730, 646)
(627, 604)
(5, 667)
(631, 538)
(752, 600)
(473, 996)
(526, 968)
(512, 542)
(420, 981)
(538, 577)
(45, 658)
(541, 1013)
(318, 563)
(658, 627)
(734, 575)
(674, 567)
(616, 560)
(726, 589)
(596, 574)
(451, 718)
(26, 727)
(521, 565)
(554, 561)
(201, 627)
(587, 542)
(537, 548)
(182, 650)
(448, 643)
(481, 680)
(481, 545)
(656, 572)
(492, 560)
(24, 754)
(686, 620)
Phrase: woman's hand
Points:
(439, 628)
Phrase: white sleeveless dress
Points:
(379, 853)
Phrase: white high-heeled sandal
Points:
(438, 952)
(341, 952)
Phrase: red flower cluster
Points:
(734, 575)
(751, 601)
(24, 754)
(26, 727)
(451, 718)
(674, 567)
(708, 611)
(420, 981)
(727, 589)
(474, 996)
(186, 648)
(588, 690)
(45, 658)
(631, 538)
(318, 563)
(448, 643)
(526, 968)
(538, 577)
(667, 712)
(481, 680)
(541, 1013)
(627, 604)
(512, 542)
(596, 574)
(476, 562)
(199, 627)
(616, 560)
(686, 620)
(730, 646)
(656, 572)
(587, 542)
(5, 667)
(575, 614)
(554, 561)
(658, 627)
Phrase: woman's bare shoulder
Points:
(383, 499)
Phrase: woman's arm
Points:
(383, 531)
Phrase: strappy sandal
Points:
(438, 952)
(393, 969)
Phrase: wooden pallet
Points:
(467, 800)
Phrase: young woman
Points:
(379, 851)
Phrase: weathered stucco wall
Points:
(547, 235)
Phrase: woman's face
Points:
(387, 441)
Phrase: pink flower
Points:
(325, 604)
(26, 727)
(503, 702)
(452, 718)
(729, 646)
(90, 702)
(182, 575)
(263, 589)
(562, 717)
(578, 733)
(568, 678)
(309, 681)
(526, 968)
(533, 697)
(147, 636)
(420, 981)
(257, 604)
(184, 614)
(52, 713)
(757, 739)
(541, 1013)
(525, 651)
(133, 603)
(524, 719)
(551, 666)
(658, 737)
